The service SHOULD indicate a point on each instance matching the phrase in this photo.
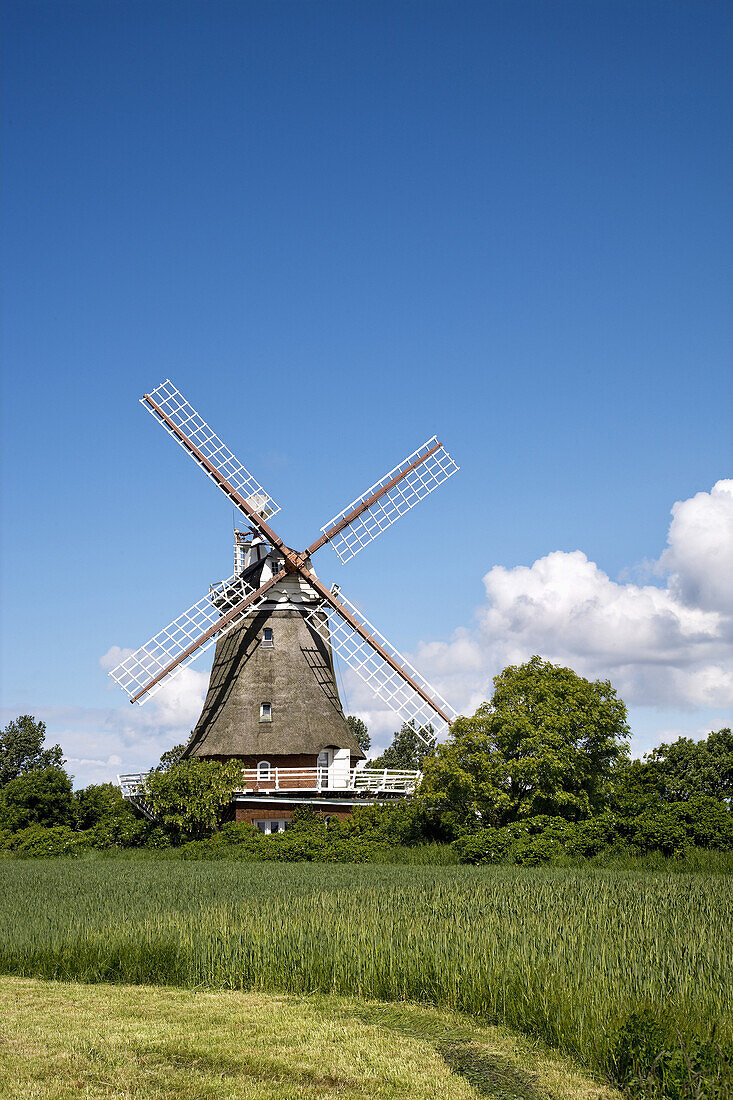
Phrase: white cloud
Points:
(100, 742)
(114, 655)
(660, 645)
(700, 551)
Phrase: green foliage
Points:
(671, 829)
(170, 758)
(21, 749)
(111, 821)
(99, 802)
(359, 732)
(38, 841)
(690, 769)
(191, 796)
(42, 797)
(408, 749)
(528, 842)
(547, 744)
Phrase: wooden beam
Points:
(362, 507)
(360, 630)
(225, 619)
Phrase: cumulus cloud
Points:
(699, 555)
(669, 644)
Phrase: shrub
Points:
(484, 846)
(40, 797)
(39, 841)
(660, 829)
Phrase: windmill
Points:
(272, 693)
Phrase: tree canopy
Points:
(547, 743)
(411, 745)
(170, 758)
(21, 749)
(359, 732)
(40, 797)
(191, 796)
(687, 769)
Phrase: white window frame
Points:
(264, 771)
(268, 643)
(265, 825)
(265, 715)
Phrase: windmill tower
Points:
(272, 700)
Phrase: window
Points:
(267, 638)
(265, 712)
(268, 827)
(263, 770)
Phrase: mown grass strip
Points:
(61, 1041)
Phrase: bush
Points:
(39, 841)
(485, 846)
(41, 797)
(530, 842)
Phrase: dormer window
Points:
(268, 640)
(265, 712)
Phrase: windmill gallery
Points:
(273, 701)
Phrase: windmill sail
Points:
(179, 418)
(178, 644)
(403, 689)
(389, 498)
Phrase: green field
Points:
(562, 954)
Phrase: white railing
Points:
(385, 779)
(376, 780)
(133, 790)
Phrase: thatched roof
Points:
(295, 676)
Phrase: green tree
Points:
(170, 758)
(21, 749)
(359, 732)
(190, 797)
(410, 747)
(40, 797)
(547, 743)
(690, 769)
(99, 802)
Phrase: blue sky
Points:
(341, 228)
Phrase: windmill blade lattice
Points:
(394, 494)
(386, 682)
(186, 637)
(183, 416)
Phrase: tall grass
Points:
(565, 954)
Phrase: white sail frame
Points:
(204, 438)
(386, 683)
(151, 659)
(432, 471)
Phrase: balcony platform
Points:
(318, 787)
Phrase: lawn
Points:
(63, 1040)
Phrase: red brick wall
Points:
(281, 812)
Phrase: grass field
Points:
(564, 955)
(61, 1041)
